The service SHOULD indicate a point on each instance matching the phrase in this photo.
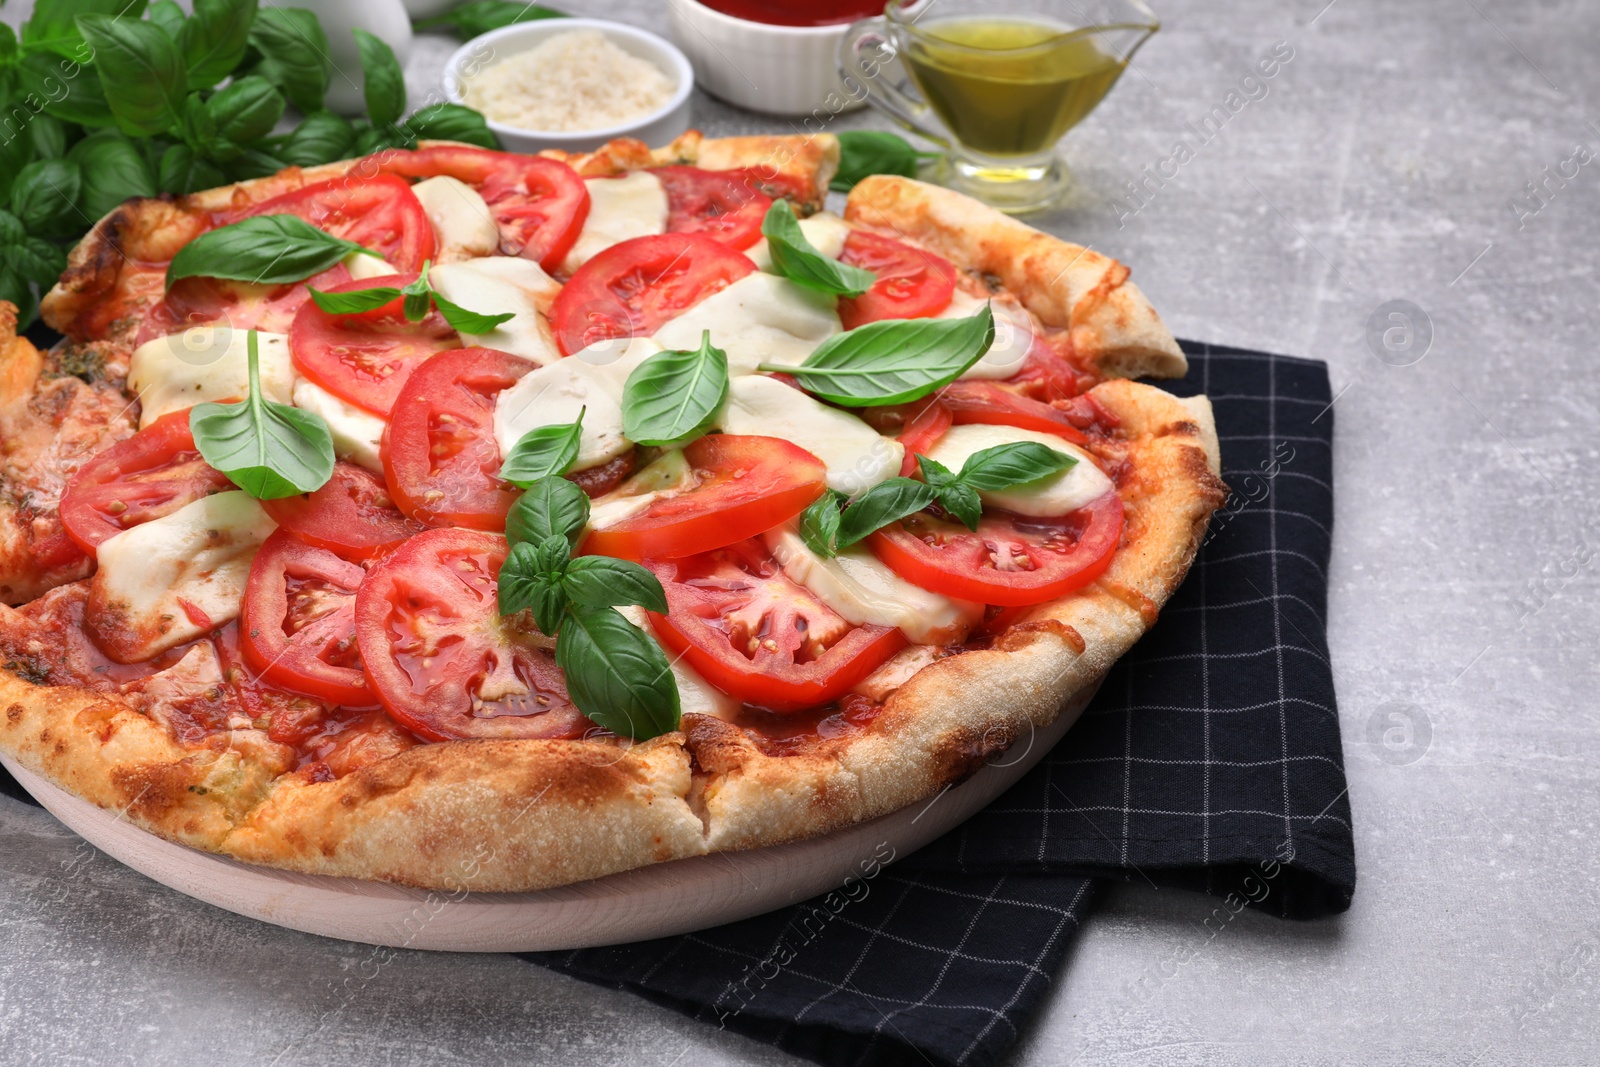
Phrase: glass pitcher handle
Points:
(865, 52)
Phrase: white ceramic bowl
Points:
(654, 129)
(782, 70)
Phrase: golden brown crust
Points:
(1112, 325)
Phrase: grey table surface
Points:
(1386, 161)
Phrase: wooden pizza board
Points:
(655, 901)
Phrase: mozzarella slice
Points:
(665, 476)
(619, 209)
(761, 318)
(362, 266)
(357, 434)
(1013, 336)
(495, 285)
(1053, 495)
(156, 578)
(826, 231)
(696, 696)
(862, 590)
(462, 221)
(857, 456)
(206, 363)
(556, 392)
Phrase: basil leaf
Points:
(199, 129)
(545, 452)
(37, 260)
(369, 140)
(246, 110)
(15, 288)
(14, 155)
(884, 503)
(45, 198)
(452, 122)
(674, 395)
(893, 361)
(144, 66)
(292, 46)
(49, 137)
(797, 259)
(355, 302)
(384, 84)
(867, 152)
(958, 499)
(463, 321)
(213, 40)
(415, 307)
(480, 16)
(268, 249)
(320, 138)
(113, 170)
(604, 582)
(183, 172)
(43, 76)
(616, 674)
(254, 163)
(169, 17)
(269, 450)
(552, 507)
(53, 26)
(819, 524)
(1013, 464)
(531, 580)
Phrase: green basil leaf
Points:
(819, 524)
(49, 137)
(370, 139)
(617, 675)
(45, 198)
(38, 260)
(1017, 463)
(384, 83)
(604, 582)
(673, 396)
(797, 259)
(544, 452)
(955, 497)
(452, 122)
(469, 322)
(415, 307)
(269, 450)
(355, 302)
(254, 163)
(14, 155)
(320, 138)
(531, 580)
(8, 44)
(15, 288)
(169, 17)
(70, 91)
(142, 69)
(198, 127)
(269, 249)
(884, 503)
(12, 231)
(867, 152)
(182, 171)
(292, 48)
(552, 507)
(53, 26)
(894, 361)
(480, 16)
(246, 110)
(213, 40)
(114, 169)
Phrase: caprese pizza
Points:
(466, 519)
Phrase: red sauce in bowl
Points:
(798, 12)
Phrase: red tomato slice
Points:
(743, 486)
(976, 400)
(1010, 559)
(912, 284)
(540, 204)
(153, 473)
(365, 359)
(298, 624)
(1046, 375)
(439, 655)
(353, 516)
(928, 423)
(759, 636)
(725, 205)
(633, 287)
(439, 453)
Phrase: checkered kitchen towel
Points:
(1210, 760)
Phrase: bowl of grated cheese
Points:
(572, 83)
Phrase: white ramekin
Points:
(657, 128)
(782, 70)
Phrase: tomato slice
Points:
(923, 423)
(1010, 559)
(353, 516)
(153, 473)
(365, 359)
(540, 204)
(912, 283)
(298, 623)
(634, 286)
(440, 457)
(758, 635)
(440, 657)
(742, 486)
(725, 205)
(976, 400)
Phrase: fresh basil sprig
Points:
(417, 296)
(797, 259)
(893, 361)
(478, 17)
(673, 396)
(551, 507)
(269, 450)
(544, 452)
(866, 152)
(267, 249)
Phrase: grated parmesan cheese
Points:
(570, 82)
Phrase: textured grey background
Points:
(1381, 165)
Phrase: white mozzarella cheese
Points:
(662, 477)
(1013, 336)
(462, 223)
(1053, 495)
(619, 209)
(826, 231)
(761, 318)
(357, 434)
(198, 556)
(206, 363)
(857, 456)
(556, 392)
(362, 266)
(495, 285)
(696, 696)
(862, 590)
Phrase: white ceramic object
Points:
(782, 70)
(654, 129)
(657, 901)
(386, 20)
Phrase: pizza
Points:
(623, 507)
